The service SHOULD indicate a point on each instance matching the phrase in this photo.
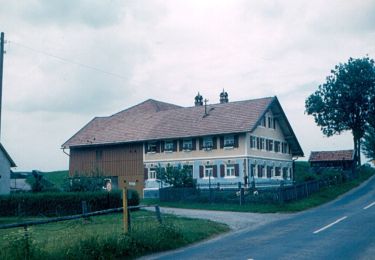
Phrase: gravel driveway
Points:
(235, 220)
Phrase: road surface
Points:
(342, 229)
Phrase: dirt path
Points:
(235, 220)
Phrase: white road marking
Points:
(329, 225)
(370, 205)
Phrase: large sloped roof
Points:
(341, 155)
(153, 120)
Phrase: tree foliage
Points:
(346, 100)
(180, 176)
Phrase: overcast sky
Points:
(68, 61)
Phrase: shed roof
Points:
(341, 155)
(153, 120)
(12, 163)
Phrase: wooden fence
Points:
(237, 194)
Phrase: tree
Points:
(369, 143)
(176, 176)
(345, 101)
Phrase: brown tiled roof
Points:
(342, 155)
(153, 120)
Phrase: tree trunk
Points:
(357, 151)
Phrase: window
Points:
(269, 122)
(277, 171)
(151, 147)
(260, 171)
(277, 146)
(168, 146)
(269, 145)
(228, 141)
(252, 170)
(252, 141)
(230, 171)
(274, 123)
(208, 171)
(262, 144)
(284, 147)
(208, 143)
(187, 145)
(285, 173)
(258, 143)
(152, 174)
(269, 171)
(263, 122)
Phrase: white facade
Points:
(5, 165)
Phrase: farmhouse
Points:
(224, 143)
(6, 163)
(343, 159)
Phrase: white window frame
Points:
(168, 146)
(152, 174)
(149, 146)
(208, 143)
(253, 142)
(229, 141)
(187, 144)
(230, 171)
(207, 170)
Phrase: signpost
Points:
(125, 208)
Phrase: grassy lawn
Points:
(321, 197)
(102, 237)
(55, 179)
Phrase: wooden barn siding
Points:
(125, 161)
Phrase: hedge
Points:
(61, 203)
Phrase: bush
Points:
(61, 203)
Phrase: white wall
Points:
(4, 173)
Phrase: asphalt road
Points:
(342, 229)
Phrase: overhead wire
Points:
(68, 60)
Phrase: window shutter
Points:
(200, 171)
(146, 147)
(200, 143)
(221, 142)
(222, 170)
(258, 143)
(194, 146)
(214, 142)
(235, 141)
(215, 171)
(162, 143)
(181, 143)
(174, 145)
(146, 173)
(236, 170)
(267, 145)
(158, 147)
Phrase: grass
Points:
(316, 199)
(54, 179)
(91, 239)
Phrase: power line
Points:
(69, 61)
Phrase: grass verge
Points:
(316, 199)
(102, 237)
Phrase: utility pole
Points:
(1, 73)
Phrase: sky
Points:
(69, 61)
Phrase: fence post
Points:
(125, 209)
(242, 195)
(158, 215)
(307, 190)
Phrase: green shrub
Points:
(61, 203)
